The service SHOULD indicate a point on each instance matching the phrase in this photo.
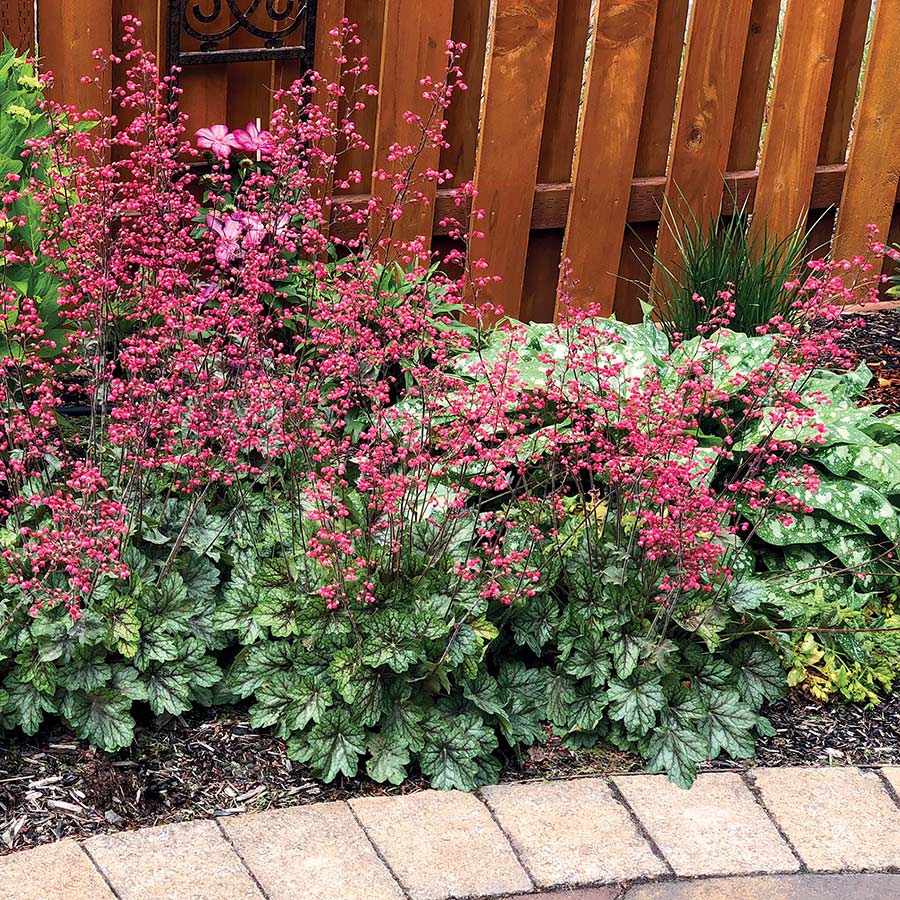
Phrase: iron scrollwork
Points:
(212, 22)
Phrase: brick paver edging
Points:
(792, 833)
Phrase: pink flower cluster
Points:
(238, 342)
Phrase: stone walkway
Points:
(793, 833)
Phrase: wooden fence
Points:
(591, 117)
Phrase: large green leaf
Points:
(677, 751)
(454, 751)
(289, 702)
(758, 670)
(102, 717)
(728, 724)
(635, 702)
(333, 746)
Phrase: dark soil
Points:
(211, 763)
(876, 341)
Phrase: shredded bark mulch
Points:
(211, 763)
(876, 341)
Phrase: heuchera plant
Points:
(311, 475)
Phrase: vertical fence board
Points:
(470, 27)
(751, 104)
(606, 148)
(512, 113)
(662, 88)
(329, 15)
(414, 45)
(17, 23)
(870, 186)
(68, 32)
(368, 15)
(653, 151)
(704, 119)
(796, 115)
(842, 95)
(567, 71)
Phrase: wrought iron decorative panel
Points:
(212, 22)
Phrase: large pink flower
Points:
(252, 139)
(218, 139)
(228, 233)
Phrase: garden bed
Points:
(877, 343)
(212, 763)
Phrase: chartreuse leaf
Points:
(635, 702)
(333, 745)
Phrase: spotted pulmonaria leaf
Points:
(855, 503)
(879, 465)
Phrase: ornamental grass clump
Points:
(312, 478)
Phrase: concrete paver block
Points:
(715, 828)
(837, 819)
(442, 844)
(60, 871)
(186, 861)
(775, 887)
(572, 832)
(315, 852)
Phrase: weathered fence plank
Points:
(512, 114)
(873, 167)
(704, 118)
(796, 115)
(606, 148)
(414, 45)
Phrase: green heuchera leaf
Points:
(387, 760)
(289, 702)
(533, 621)
(635, 702)
(457, 752)
(27, 705)
(758, 671)
(102, 717)
(391, 640)
(676, 750)
(727, 725)
(525, 693)
(333, 746)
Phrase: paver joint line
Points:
(516, 850)
(378, 853)
(240, 856)
(747, 778)
(100, 872)
(893, 792)
(642, 829)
